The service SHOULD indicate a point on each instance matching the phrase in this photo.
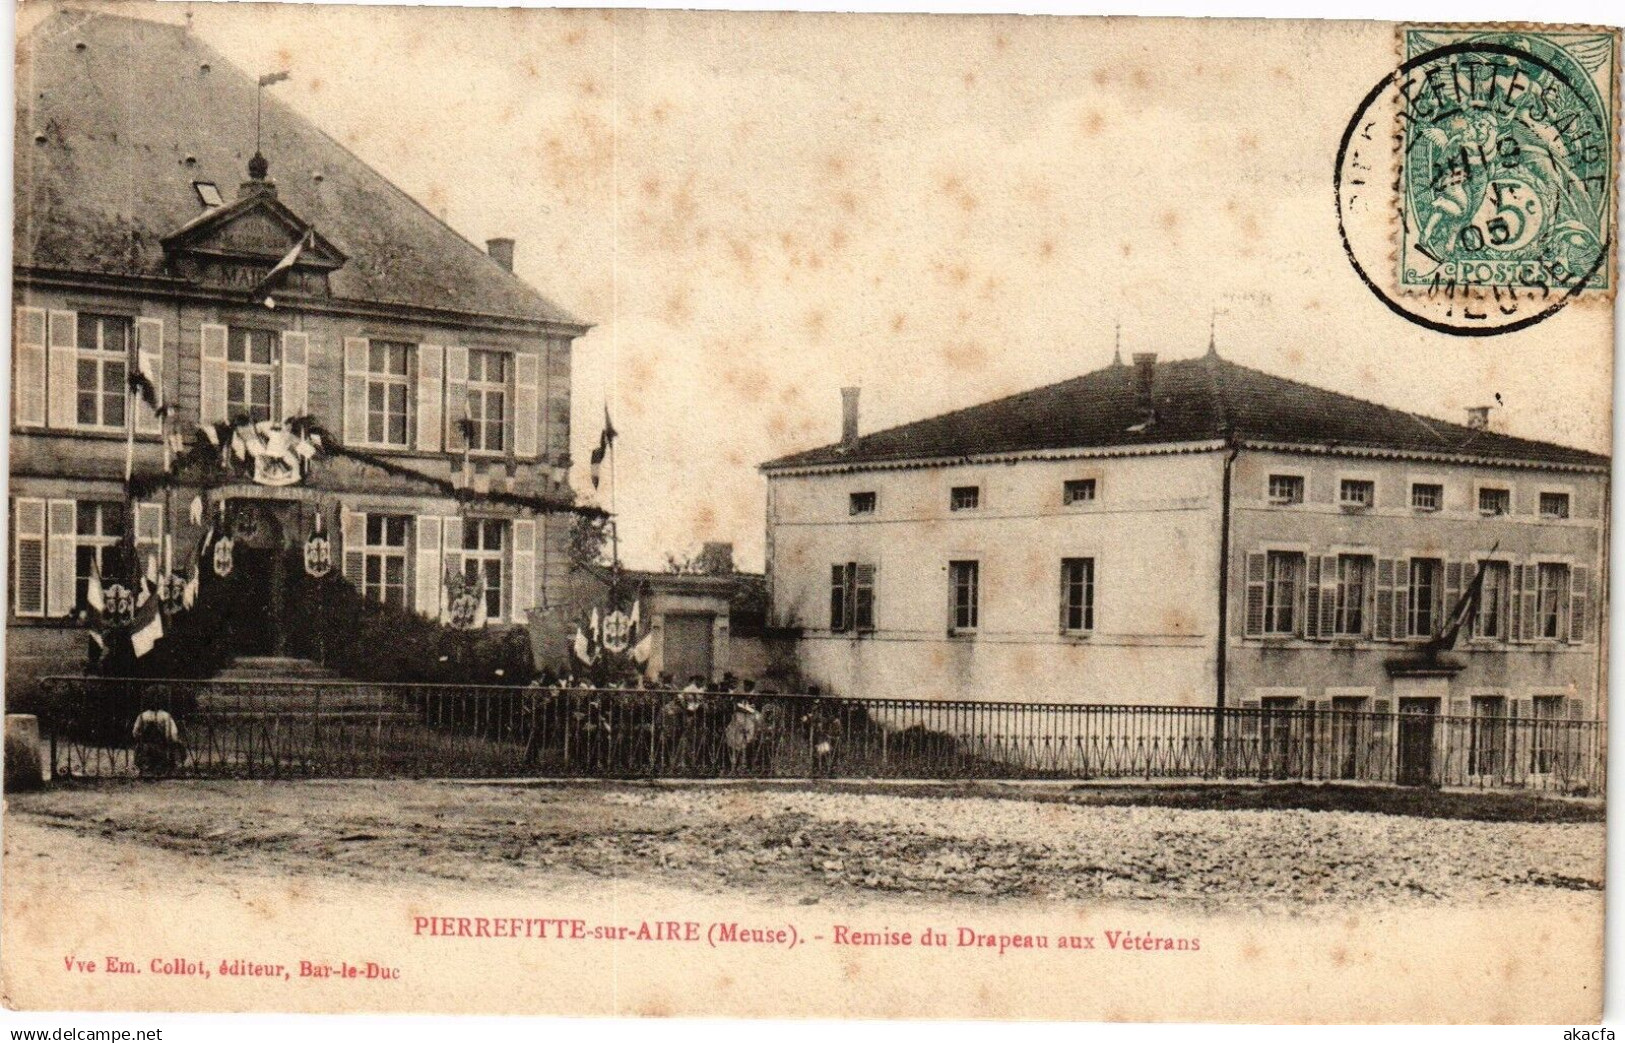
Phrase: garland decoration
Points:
(280, 454)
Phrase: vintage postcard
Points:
(668, 513)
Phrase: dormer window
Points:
(208, 193)
(1286, 489)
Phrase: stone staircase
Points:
(274, 668)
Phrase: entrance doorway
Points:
(686, 648)
(254, 596)
(1417, 720)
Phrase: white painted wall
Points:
(1153, 532)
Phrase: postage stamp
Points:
(1475, 181)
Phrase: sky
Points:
(756, 210)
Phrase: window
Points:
(483, 542)
(1490, 616)
(1554, 505)
(1549, 709)
(1427, 496)
(965, 498)
(250, 370)
(1489, 735)
(1551, 600)
(384, 575)
(1357, 492)
(861, 503)
(1283, 577)
(1078, 490)
(487, 400)
(208, 193)
(1078, 595)
(1353, 595)
(99, 527)
(387, 392)
(1286, 488)
(1495, 501)
(852, 597)
(964, 579)
(1423, 607)
(103, 364)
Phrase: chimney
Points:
(501, 251)
(1145, 371)
(1478, 418)
(849, 417)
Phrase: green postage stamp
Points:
(1508, 139)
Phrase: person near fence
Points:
(158, 747)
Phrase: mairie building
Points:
(1194, 533)
(148, 229)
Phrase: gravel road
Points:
(813, 842)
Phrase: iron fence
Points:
(313, 729)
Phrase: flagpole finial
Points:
(258, 166)
(1212, 325)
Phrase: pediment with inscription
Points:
(237, 246)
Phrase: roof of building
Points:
(117, 118)
(1196, 400)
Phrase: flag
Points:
(272, 77)
(583, 648)
(95, 597)
(288, 261)
(644, 648)
(1465, 608)
(605, 440)
(147, 628)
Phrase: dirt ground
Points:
(1206, 849)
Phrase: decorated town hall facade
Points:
(367, 376)
(1195, 533)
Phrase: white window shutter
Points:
(353, 530)
(355, 390)
(28, 551)
(1514, 605)
(427, 583)
(295, 374)
(1527, 619)
(211, 395)
(456, 397)
(1383, 625)
(1579, 599)
(1254, 626)
(526, 400)
(59, 571)
(28, 390)
(1311, 598)
(149, 533)
(451, 562)
(524, 569)
(1402, 598)
(149, 350)
(431, 358)
(1328, 596)
(64, 380)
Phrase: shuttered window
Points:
(28, 557)
(1551, 601)
(250, 374)
(1490, 615)
(1353, 616)
(102, 371)
(484, 543)
(851, 596)
(384, 559)
(1283, 579)
(99, 527)
(487, 401)
(388, 392)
